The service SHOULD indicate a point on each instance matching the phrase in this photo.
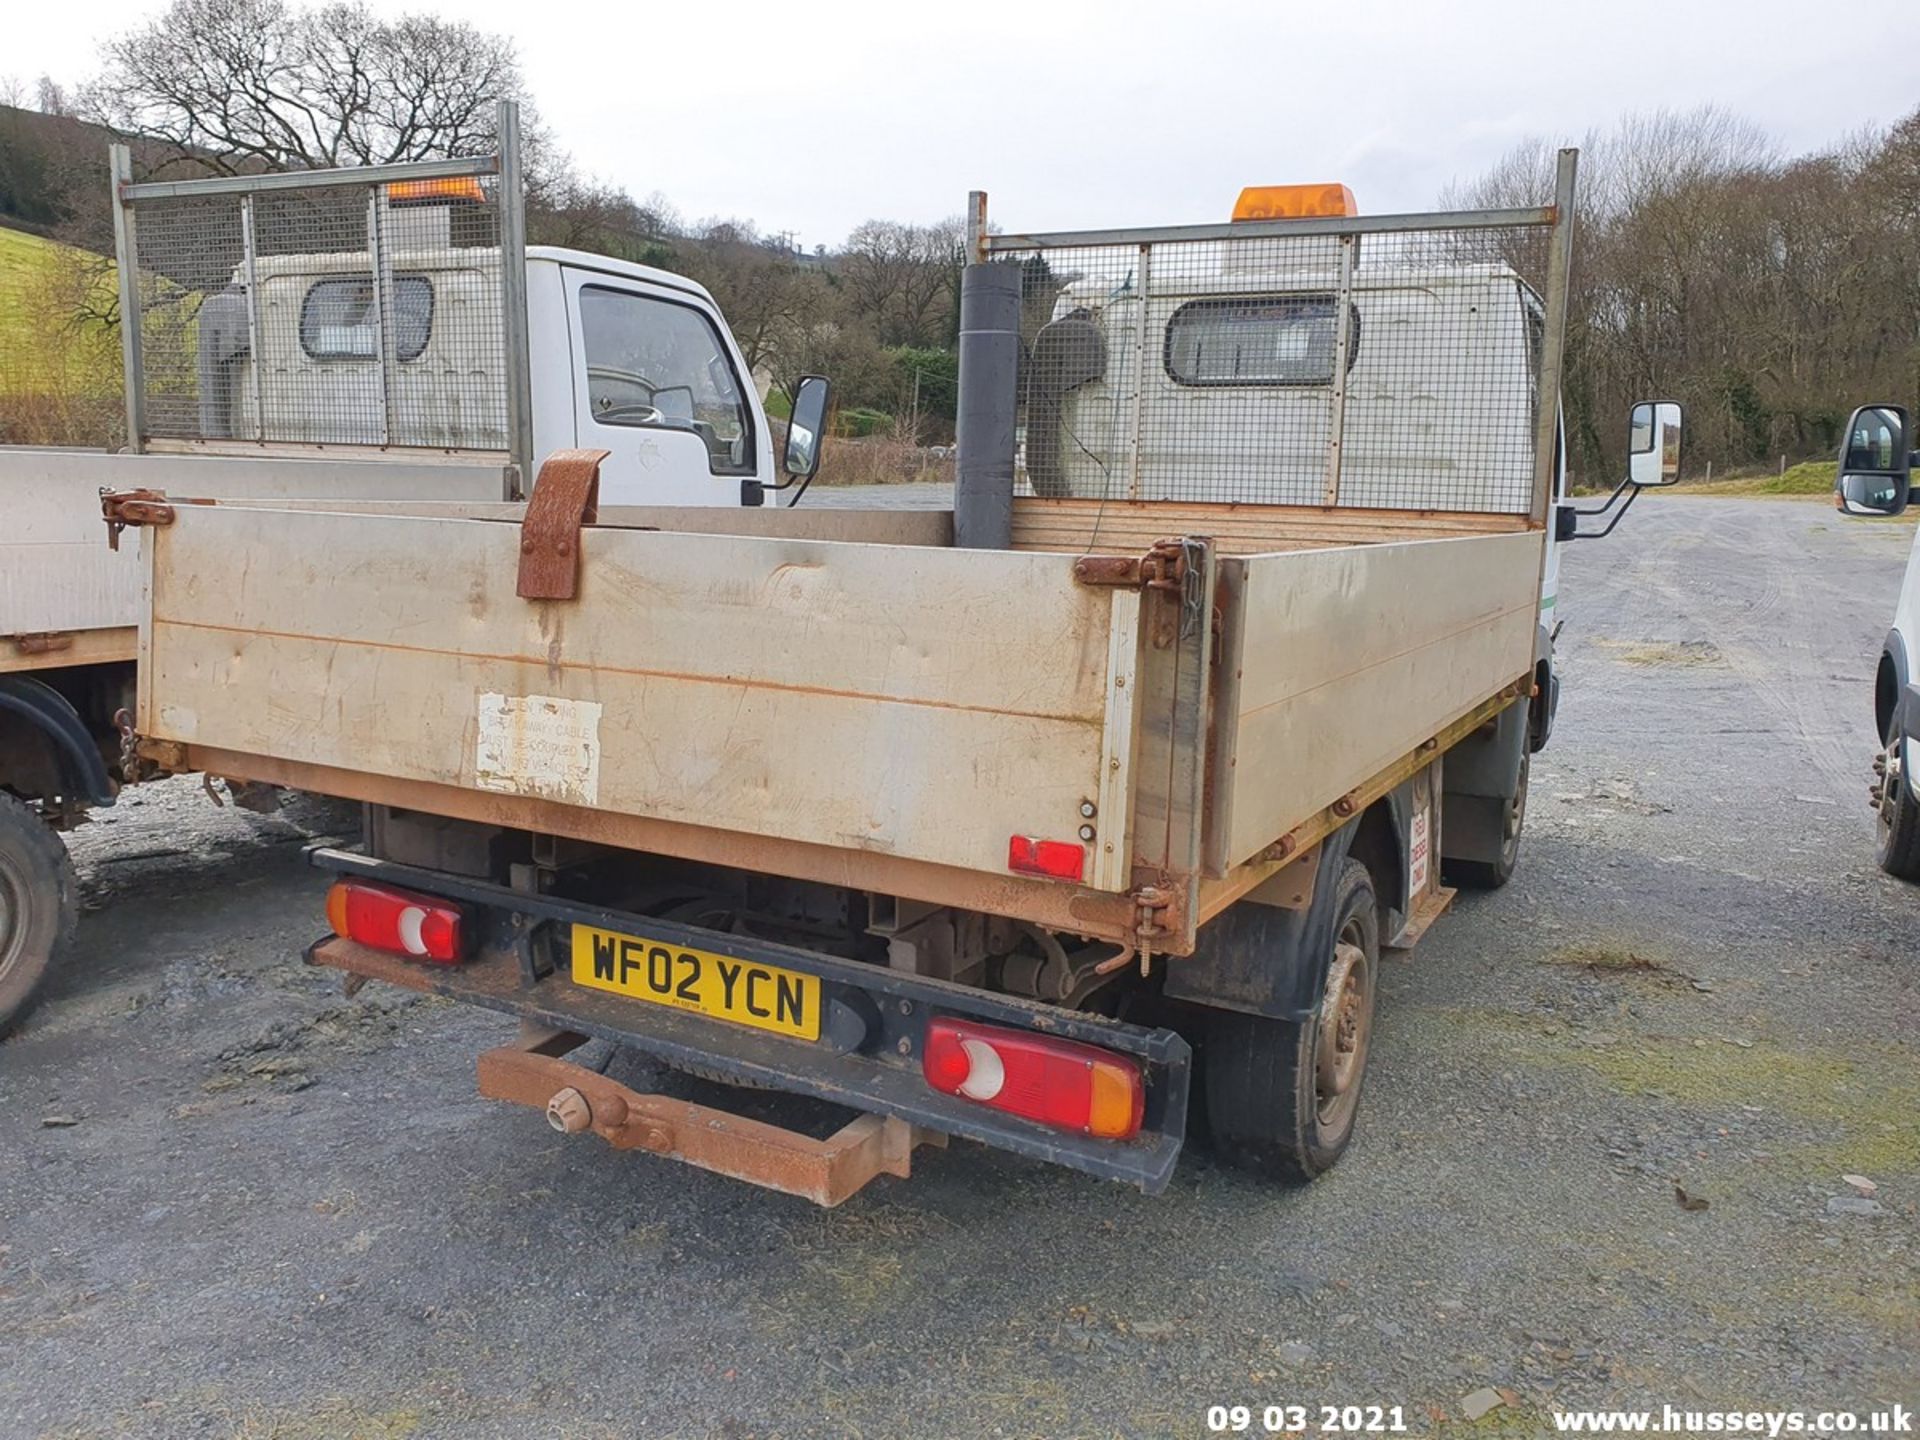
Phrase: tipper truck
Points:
(1030, 823)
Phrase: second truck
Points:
(387, 320)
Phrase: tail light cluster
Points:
(397, 921)
(1054, 859)
(1061, 1083)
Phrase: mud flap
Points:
(1479, 777)
(1266, 959)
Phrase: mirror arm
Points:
(1617, 514)
(801, 491)
(1607, 504)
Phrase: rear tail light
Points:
(396, 920)
(1056, 1082)
(1055, 859)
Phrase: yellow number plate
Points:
(743, 991)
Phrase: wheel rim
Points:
(14, 916)
(1516, 814)
(1886, 799)
(1345, 1027)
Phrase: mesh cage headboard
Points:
(1400, 362)
(373, 307)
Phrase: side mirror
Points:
(1875, 463)
(1653, 458)
(1653, 442)
(806, 427)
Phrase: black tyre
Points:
(1492, 874)
(1898, 847)
(39, 907)
(1281, 1096)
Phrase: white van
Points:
(1875, 478)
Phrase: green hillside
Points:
(59, 353)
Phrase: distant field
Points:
(33, 271)
(21, 255)
(1808, 480)
(59, 361)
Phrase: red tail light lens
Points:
(1055, 859)
(396, 920)
(1056, 1082)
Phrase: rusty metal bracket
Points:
(121, 508)
(1155, 908)
(46, 642)
(565, 497)
(1163, 567)
(155, 757)
(578, 1100)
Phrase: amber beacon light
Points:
(1293, 202)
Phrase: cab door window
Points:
(658, 364)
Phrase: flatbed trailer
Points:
(975, 823)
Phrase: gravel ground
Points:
(278, 1212)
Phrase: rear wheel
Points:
(1281, 1095)
(39, 906)
(1492, 874)
(1898, 849)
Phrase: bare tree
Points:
(51, 97)
(1709, 269)
(764, 291)
(902, 277)
(252, 84)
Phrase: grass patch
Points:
(1716, 1073)
(1807, 479)
(59, 355)
(1679, 654)
(1607, 960)
(881, 460)
(328, 1420)
(1524, 1421)
(1864, 1101)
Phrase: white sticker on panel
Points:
(539, 745)
(1418, 848)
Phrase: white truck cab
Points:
(1437, 403)
(1874, 478)
(622, 357)
(640, 362)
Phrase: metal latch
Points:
(121, 508)
(566, 495)
(1163, 567)
(1175, 567)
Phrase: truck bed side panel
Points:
(1351, 657)
(920, 702)
(56, 572)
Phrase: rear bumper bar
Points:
(872, 1032)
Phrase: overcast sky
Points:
(811, 118)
